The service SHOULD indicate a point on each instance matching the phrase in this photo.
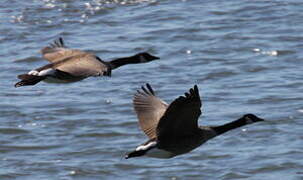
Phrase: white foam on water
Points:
(269, 53)
(72, 172)
(50, 5)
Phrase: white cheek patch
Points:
(144, 147)
(142, 59)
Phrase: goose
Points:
(71, 65)
(173, 129)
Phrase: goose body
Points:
(71, 65)
(173, 129)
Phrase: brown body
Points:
(71, 65)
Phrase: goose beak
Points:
(155, 57)
(260, 119)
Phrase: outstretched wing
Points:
(83, 65)
(57, 51)
(181, 116)
(149, 109)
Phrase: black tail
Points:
(246, 119)
(135, 154)
(28, 80)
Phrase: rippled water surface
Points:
(245, 56)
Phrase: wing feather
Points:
(149, 109)
(181, 116)
(57, 51)
(83, 65)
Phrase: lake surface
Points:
(245, 56)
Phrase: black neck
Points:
(123, 61)
(229, 126)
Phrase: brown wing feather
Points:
(82, 65)
(149, 109)
(57, 51)
(181, 117)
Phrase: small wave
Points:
(100, 135)
(28, 147)
(272, 52)
(17, 19)
(28, 59)
(219, 75)
(50, 5)
(300, 110)
(12, 131)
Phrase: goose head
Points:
(146, 57)
(251, 118)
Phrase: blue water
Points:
(245, 56)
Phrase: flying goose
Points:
(173, 129)
(71, 65)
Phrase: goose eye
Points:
(248, 120)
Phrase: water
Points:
(245, 56)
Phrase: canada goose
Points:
(173, 129)
(71, 65)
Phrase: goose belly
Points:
(52, 79)
(159, 153)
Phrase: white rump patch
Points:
(144, 147)
(44, 72)
(155, 152)
(48, 71)
(33, 72)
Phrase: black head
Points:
(146, 57)
(251, 118)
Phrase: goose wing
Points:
(181, 116)
(83, 65)
(149, 109)
(57, 51)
